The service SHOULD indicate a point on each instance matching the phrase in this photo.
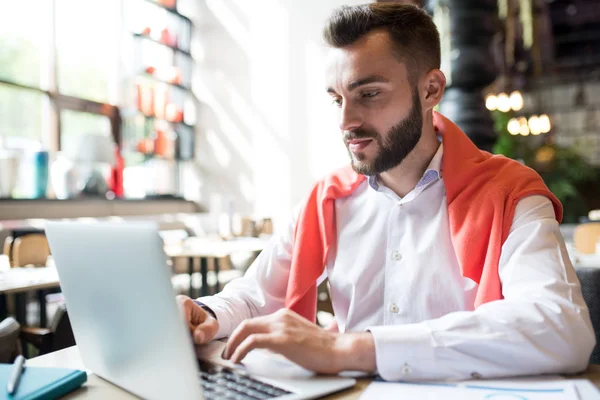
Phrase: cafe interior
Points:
(209, 118)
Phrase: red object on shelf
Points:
(179, 116)
(174, 75)
(146, 31)
(150, 69)
(174, 113)
(117, 174)
(171, 112)
(145, 146)
(167, 38)
(160, 143)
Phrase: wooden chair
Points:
(57, 336)
(32, 249)
(586, 236)
(6, 250)
(9, 340)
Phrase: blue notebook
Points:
(41, 383)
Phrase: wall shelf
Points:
(160, 76)
(172, 123)
(151, 77)
(150, 39)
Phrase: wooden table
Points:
(204, 249)
(19, 281)
(98, 388)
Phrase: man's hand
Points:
(302, 342)
(203, 326)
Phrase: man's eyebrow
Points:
(366, 81)
(360, 82)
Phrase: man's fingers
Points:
(269, 341)
(246, 328)
(206, 331)
(185, 306)
(193, 314)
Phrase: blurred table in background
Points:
(205, 249)
(18, 282)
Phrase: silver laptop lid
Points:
(122, 307)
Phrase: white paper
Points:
(586, 389)
(474, 390)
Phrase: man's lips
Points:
(355, 145)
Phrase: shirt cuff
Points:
(403, 352)
(220, 311)
(206, 308)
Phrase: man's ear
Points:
(432, 88)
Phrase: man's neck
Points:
(403, 178)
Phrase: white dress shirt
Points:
(394, 273)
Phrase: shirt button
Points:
(396, 255)
(394, 308)
(406, 370)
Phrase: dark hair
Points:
(414, 35)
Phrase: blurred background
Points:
(220, 103)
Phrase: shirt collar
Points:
(432, 172)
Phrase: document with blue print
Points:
(546, 389)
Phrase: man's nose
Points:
(350, 118)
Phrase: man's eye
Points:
(370, 94)
(337, 101)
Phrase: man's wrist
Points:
(355, 352)
(206, 308)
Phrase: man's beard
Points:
(400, 141)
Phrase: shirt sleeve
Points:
(541, 326)
(260, 291)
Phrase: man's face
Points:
(379, 109)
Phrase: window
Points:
(87, 48)
(23, 37)
(59, 64)
(74, 123)
(75, 67)
(21, 113)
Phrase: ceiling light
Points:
(491, 102)
(503, 102)
(516, 100)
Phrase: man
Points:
(444, 262)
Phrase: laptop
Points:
(130, 332)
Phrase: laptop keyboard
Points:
(224, 383)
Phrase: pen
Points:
(15, 374)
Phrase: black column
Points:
(472, 25)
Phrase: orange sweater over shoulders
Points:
(482, 191)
